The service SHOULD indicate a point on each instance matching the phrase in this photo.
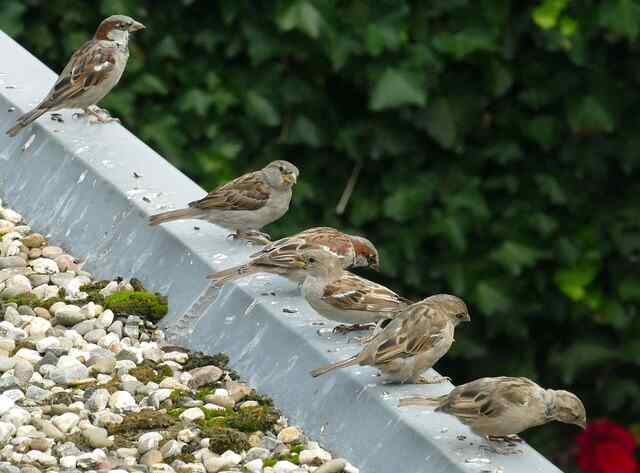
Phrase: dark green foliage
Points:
(143, 304)
(498, 138)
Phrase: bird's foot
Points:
(254, 236)
(509, 439)
(342, 329)
(100, 115)
(434, 380)
(509, 449)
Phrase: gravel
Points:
(84, 389)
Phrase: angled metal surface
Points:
(76, 182)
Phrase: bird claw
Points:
(509, 450)
(342, 329)
(100, 115)
(435, 380)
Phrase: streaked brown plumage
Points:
(91, 73)
(503, 406)
(281, 257)
(416, 338)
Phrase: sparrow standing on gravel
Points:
(341, 296)
(91, 73)
(281, 256)
(245, 204)
(502, 407)
(412, 342)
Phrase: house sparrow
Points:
(502, 407)
(341, 296)
(245, 204)
(280, 256)
(90, 74)
(412, 342)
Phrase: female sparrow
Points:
(280, 257)
(416, 338)
(245, 204)
(90, 74)
(502, 407)
(341, 296)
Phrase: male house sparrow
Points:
(90, 74)
(503, 407)
(412, 342)
(341, 296)
(245, 204)
(280, 257)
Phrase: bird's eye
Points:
(460, 315)
(312, 260)
(281, 168)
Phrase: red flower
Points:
(606, 447)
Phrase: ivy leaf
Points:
(588, 114)
(515, 256)
(461, 44)
(547, 13)
(580, 356)
(441, 123)
(301, 15)
(261, 109)
(574, 281)
(491, 299)
(621, 17)
(11, 21)
(304, 131)
(396, 88)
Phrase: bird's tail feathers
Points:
(340, 364)
(26, 119)
(171, 215)
(222, 277)
(427, 401)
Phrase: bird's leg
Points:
(99, 115)
(435, 380)
(509, 440)
(351, 328)
(251, 235)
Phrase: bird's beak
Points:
(290, 178)
(375, 267)
(582, 424)
(136, 25)
(300, 264)
(467, 318)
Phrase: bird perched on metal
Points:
(502, 407)
(341, 296)
(243, 205)
(416, 338)
(281, 256)
(90, 74)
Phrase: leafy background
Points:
(498, 144)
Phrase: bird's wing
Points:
(247, 192)
(416, 330)
(352, 292)
(488, 397)
(88, 67)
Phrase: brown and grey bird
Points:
(91, 73)
(243, 205)
(412, 342)
(502, 407)
(341, 296)
(282, 256)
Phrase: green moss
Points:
(223, 439)
(149, 371)
(175, 413)
(145, 420)
(198, 359)
(269, 461)
(93, 291)
(259, 398)
(143, 304)
(186, 457)
(296, 448)
(32, 301)
(175, 395)
(253, 419)
(112, 385)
